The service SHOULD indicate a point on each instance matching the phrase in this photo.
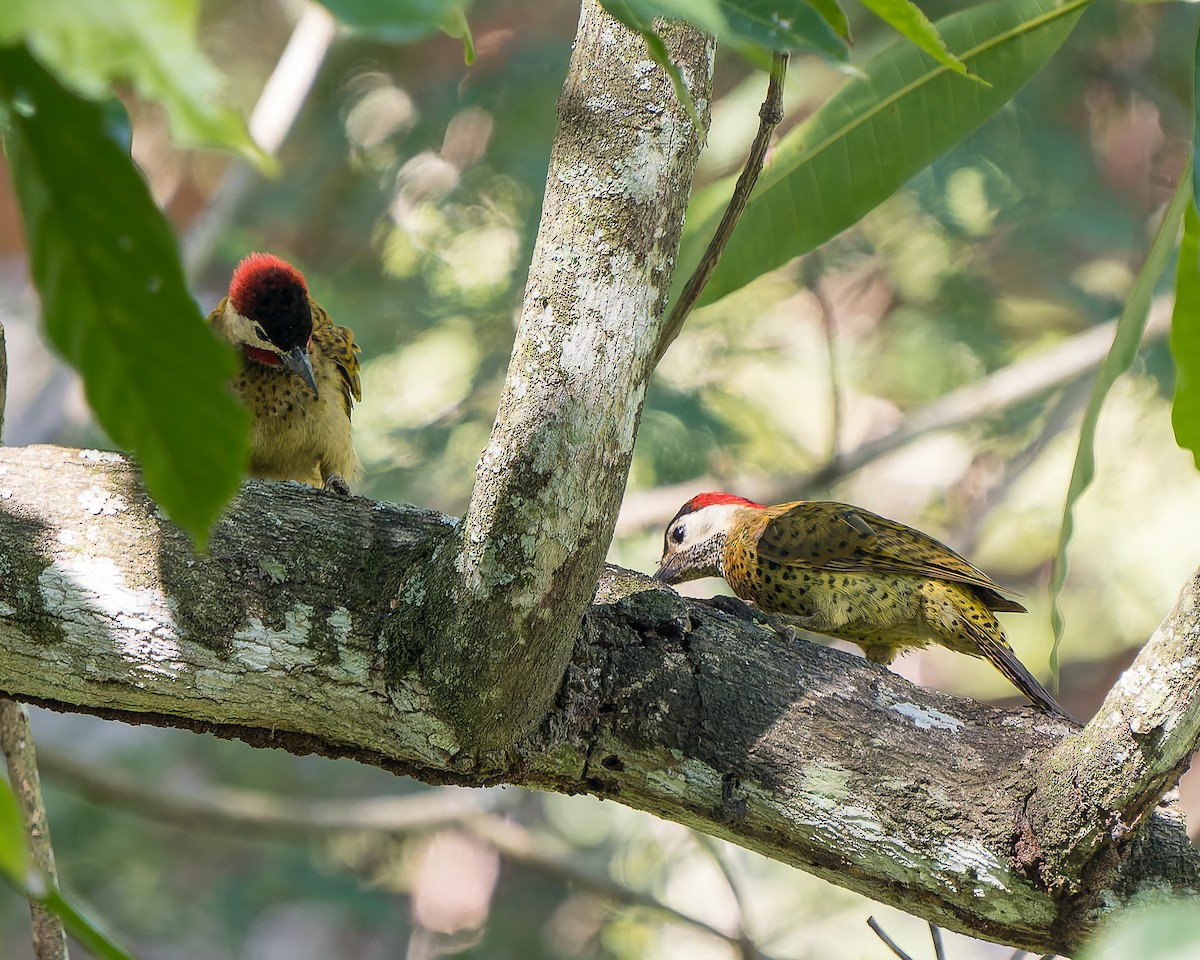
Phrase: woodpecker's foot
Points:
(337, 484)
(734, 607)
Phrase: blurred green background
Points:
(409, 196)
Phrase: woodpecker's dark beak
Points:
(297, 361)
(668, 571)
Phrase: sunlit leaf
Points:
(1185, 338)
(1124, 348)
(150, 44)
(877, 131)
(14, 855)
(403, 21)
(114, 300)
(907, 19)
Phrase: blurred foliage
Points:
(1169, 930)
(409, 196)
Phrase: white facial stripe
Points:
(243, 330)
(708, 521)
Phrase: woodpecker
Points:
(845, 572)
(299, 374)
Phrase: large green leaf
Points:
(149, 43)
(1126, 341)
(402, 21)
(114, 300)
(1185, 338)
(876, 132)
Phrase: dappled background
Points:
(930, 364)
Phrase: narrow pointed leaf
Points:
(14, 854)
(1126, 341)
(876, 132)
(114, 301)
(906, 18)
(1185, 338)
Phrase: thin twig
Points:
(813, 271)
(519, 845)
(49, 935)
(935, 934)
(3, 380)
(274, 114)
(749, 949)
(263, 815)
(993, 394)
(266, 816)
(769, 115)
(888, 941)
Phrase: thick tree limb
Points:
(505, 609)
(294, 631)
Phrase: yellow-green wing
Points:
(337, 343)
(828, 535)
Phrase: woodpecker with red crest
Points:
(845, 572)
(299, 374)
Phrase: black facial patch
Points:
(279, 305)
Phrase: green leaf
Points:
(833, 15)
(1163, 931)
(14, 853)
(876, 132)
(114, 300)
(907, 19)
(83, 928)
(403, 21)
(1185, 338)
(148, 43)
(1124, 348)
(786, 25)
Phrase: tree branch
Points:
(16, 741)
(504, 612)
(296, 631)
(1020, 382)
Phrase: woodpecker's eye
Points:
(261, 333)
(678, 534)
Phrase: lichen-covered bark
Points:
(505, 611)
(1095, 789)
(295, 631)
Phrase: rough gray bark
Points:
(514, 582)
(295, 631)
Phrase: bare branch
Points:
(504, 612)
(274, 114)
(888, 941)
(769, 116)
(251, 813)
(1096, 788)
(49, 935)
(299, 630)
(1024, 380)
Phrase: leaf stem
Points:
(769, 116)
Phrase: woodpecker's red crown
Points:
(272, 293)
(702, 500)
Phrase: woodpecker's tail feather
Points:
(1004, 660)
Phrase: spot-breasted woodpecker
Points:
(845, 572)
(299, 374)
